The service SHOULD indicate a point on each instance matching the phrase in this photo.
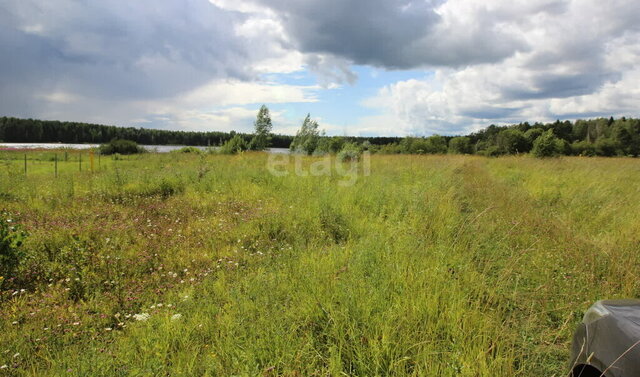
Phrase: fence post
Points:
(91, 159)
(80, 161)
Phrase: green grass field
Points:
(209, 265)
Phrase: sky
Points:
(359, 67)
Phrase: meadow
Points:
(210, 265)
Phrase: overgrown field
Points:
(209, 265)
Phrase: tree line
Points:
(16, 130)
(593, 137)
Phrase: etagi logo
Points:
(280, 166)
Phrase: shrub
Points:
(350, 152)
(606, 147)
(193, 150)
(511, 141)
(11, 253)
(234, 145)
(460, 145)
(548, 145)
(121, 146)
(583, 148)
(307, 138)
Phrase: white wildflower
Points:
(176, 317)
(141, 316)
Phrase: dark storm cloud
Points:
(549, 85)
(114, 49)
(393, 34)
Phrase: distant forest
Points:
(16, 130)
(594, 137)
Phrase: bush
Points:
(548, 145)
(512, 141)
(350, 152)
(606, 147)
(583, 148)
(121, 146)
(193, 150)
(460, 145)
(11, 253)
(234, 145)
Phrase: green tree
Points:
(606, 147)
(263, 126)
(307, 138)
(623, 138)
(547, 145)
(583, 148)
(512, 141)
(532, 134)
(460, 145)
(436, 144)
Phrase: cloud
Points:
(201, 64)
(132, 50)
(155, 62)
(579, 63)
(403, 34)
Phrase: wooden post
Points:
(55, 164)
(80, 161)
(91, 159)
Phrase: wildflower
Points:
(108, 328)
(5, 366)
(141, 316)
(76, 323)
(14, 322)
(176, 317)
(16, 355)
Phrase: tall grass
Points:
(431, 265)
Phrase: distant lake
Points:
(150, 148)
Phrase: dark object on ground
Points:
(607, 342)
